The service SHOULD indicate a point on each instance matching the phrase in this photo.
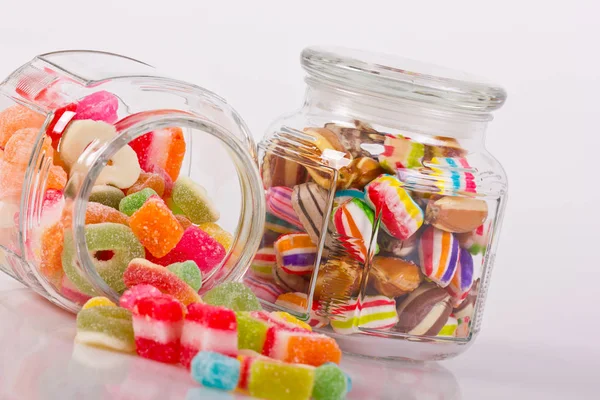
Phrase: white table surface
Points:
(38, 360)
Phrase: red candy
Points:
(98, 106)
(163, 149)
(62, 117)
(134, 294)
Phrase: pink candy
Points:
(99, 106)
(132, 295)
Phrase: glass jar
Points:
(383, 205)
(80, 131)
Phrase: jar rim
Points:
(397, 77)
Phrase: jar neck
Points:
(331, 98)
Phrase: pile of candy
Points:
(226, 339)
(410, 209)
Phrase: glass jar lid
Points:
(392, 76)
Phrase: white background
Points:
(546, 54)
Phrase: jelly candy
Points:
(157, 325)
(276, 322)
(353, 221)
(301, 347)
(274, 381)
(262, 288)
(439, 255)
(263, 264)
(195, 245)
(194, 201)
(19, 146)
(17, 117)
(141, 271)
(164, 148)
(296, 254)
(99, 301)
(52, 248)
(133, 202)
(98, 106)
(61, 118)
(110, 196)
(148, 180)
(11, 179)
(218, 233)
(252, 332)
(401, 153)
(214, 370)
(279, 204)
(156, 227)
(174, 207)
(461, 283)
(188, 272)
(57, 178)
(233, 295)
(97, 213)
(183, 220)
(131, 296)
(208, 328)
(106, 326)
(330, 383)
(116, 241)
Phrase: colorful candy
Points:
(449, 328)
(278, 225)
(17, 117)
(439, 255)
(353, 221)
(394, 277)
(233, 295)
(98, 106)
(19, 146)
(475, 241)
(218, 233)
(214, 370)
(264, 262)
(296, 254)
(400, 215)
(366, 169)
(133, 202)
(290, 320)
(148, 180)
(162, 149)
(108, 195)
(252, 332)
(279, 204)
(298, 302)
(329, 148)
(398, 248)
(401, 153)
(342, 196)
(456, 214)
(271, 380)
(425, 311)
(99, 301)
(301, 347)
(194, 201)
(106, 326)
(331, 383)
(188, 272)
(279, 171)
(453, 175)
(463, 277)
(262, 288)
(310, 202)
(131, 296)
(372, 312)
(97, 213)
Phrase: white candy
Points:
(121, 171)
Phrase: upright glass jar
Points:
(80, 131)
(383, 205)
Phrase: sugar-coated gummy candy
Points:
(164, 148)
(183, 220)
(130, 297)
(274, 381)
(330, 383)
(195, 245)
(19, 146)
(98, 106)
(188, 272)
(233, 295)
(52, 248)
(302, 347)
(106, 326)
(98, 302)
(148, 180)
(218, 233)
(131, 203)
(174, 207)
(11, 179)
(156, 227)
(348, 378)
(57, 178)
(17, 117)
(214, 370)
(97, 213)
(142, 271)
(194, 201)
(252, 332)
(61, 118)
(111, 247)
(157, 325)
(108, 195)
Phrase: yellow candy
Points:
(218, 233)
(291, 319)
(97, 302)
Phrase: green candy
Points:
(130, 204)
(232, 295)
(174, 207)
(252, 332)
(108, 195)
(102, 239)
(274, 380)
(331, 383)
(193, 200)
(106, 326)
(188, 272)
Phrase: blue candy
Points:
(214, 370)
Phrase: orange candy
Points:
(184, 221)
(148, 180)
(97, 213)
(312, 350)
(57, 178)
(156, 227)
(52, 247)
(17, 117)
(175, 154)
(20, 145)
(11, 179)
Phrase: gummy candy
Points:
(98, 106)
(214, 370)
(195, 245)
(188, 272)
(11, 179)
(57, 178)
(141, 271)
(108, 195)
(330, 383)
(148, 180)
(131, 203)
(157, 325)
(99, 301)
(106, 326)
(61, 118)
(20, 145)
(156, 227)
(252, 332)
(233, 295)
(164, 148)
(218, 233)
(97, 213)
(301, 347)
(130, 297)
(274, 381)
(194, 201)
(174, 207)
(183, 220)
(52, 248)
(17, 117)
(208, 328)
(115, 239)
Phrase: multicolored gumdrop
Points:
(264, 289)
(279, 204)
(157, 325)
(400, 153)
(195, 245)
(301, 347)
(164, 149)
(353, 221)
(98, 106)
(463, 279)
(252, 332)
(97, 213)
(99, 301)
(156, 227)
(141, 271)
(217, 371)
(111, 247)
(218, 233)
(233, 295)
(298, 302)
(106, 326)
(208, 328)
(439, 254)
(131, 296)
(188, 272)
(264, 263)
(133, 202)
(194, 201)
(273, 380)
(296, 253)
(148, 180)
(331, 383)
(108, 195)
(18, 117)
(400, 215)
